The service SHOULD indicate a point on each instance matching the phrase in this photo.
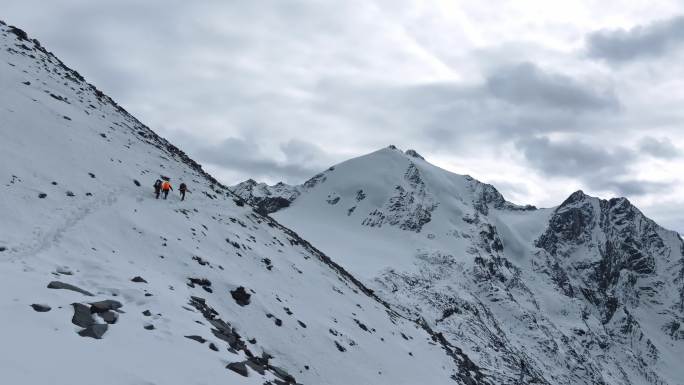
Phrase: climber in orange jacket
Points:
(166, 187)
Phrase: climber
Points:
(166, 187)
(157, 188)
(183, 189)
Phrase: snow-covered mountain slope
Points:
(102, 283)
(589, 292)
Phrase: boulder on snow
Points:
(282, 374)
(82, 315)
(239, 368)
(138, 279)
(64, 270)
(196, 338)
(256, 366)
(241, 296)
(109, 316)
(104, 306)
(40, 307)
(94, 331)
(68, 286)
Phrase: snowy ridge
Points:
(105, 282)
(589, 292)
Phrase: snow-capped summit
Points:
(589, 292)
(103, 283)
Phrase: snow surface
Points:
(97, 229)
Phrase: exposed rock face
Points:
(266, 199)
(409, 208)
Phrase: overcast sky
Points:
(539, 98)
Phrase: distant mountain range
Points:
(588, 292)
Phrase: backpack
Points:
(157, 184)
(183, 187)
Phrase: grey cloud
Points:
(643, 41)
(659, 148)
(631, 187)
(525, 83)
(600, 168)
(301, 159)
(513, 102)
(574, 158)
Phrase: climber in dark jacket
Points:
(183, 189)
(157, 188)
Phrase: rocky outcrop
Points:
(409, 208)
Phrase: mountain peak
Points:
(414, 154)
(577, 196)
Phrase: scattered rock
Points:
(70, 194)
(40, 307)
(91, 175)
(147, 313)
(282, 374)
(202, 282)
(109, 317)
(138, 279)
(42, 195)
(238, 367)
(68, 286)
(340, 347)
(196, 338)
(200, 260)
(361, 325)
(135, 181)
(64, 270)
(256, 366)
(94, 331)
(2, 248)
(240, 296)
(213, 347)
(149, 327)
(302, 324)
(104, 306)
(82, 315)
